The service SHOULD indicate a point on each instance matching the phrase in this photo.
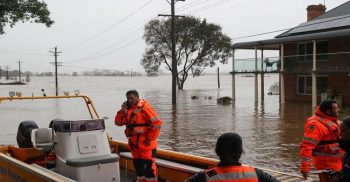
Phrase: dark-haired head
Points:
(229, 148)
(132, 97)
(329, 107)
(133, 92)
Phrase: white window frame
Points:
(305, 78)
(305, 43)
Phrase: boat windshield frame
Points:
(69, 126)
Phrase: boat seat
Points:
(42, 139)
(169, 164)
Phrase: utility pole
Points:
(7, 72)
(19, 70)
(56, 64)
(173, 52)
(218, 77)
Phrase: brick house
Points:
(314, 57)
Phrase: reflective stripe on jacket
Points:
(320, 143)
(231, 173)
(142, 123)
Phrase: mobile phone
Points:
(127, 104)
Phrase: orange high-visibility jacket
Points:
(142, 123)
(320, 143)
(231, 173)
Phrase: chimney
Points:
(314, 11)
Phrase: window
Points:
(305, 51)
(322, 50)
(304, 84)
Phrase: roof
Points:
(273, 44)
(337, 11)
(334, 23)
(320, 25)
(336, 18)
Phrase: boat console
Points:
(81, 148)
(83, 152)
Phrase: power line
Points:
(190, 5)
(34, 49)
(127, 33)
(306, 25)
(254, 35)
(214, 4)
(130, 34)
(101, 32)
(49, 68)
(17, 52)
(89, 58)
(38, 60)
(232, 6)
(195, 11)
(139, 25)
(119, 22)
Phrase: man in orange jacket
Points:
(142, 129)
(320, 143)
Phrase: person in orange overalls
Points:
(142, 129)
(320, 145)
(229, 149)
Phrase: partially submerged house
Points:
(314, 57)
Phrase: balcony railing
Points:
(269, 64)
(325, 63)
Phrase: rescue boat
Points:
(80, 150)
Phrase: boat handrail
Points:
(91, 108)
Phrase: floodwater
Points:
(271, 135)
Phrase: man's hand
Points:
(305, 174)
(124, 107)
(305, 168)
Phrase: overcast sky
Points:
(107, 34)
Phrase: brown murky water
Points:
(271, 134)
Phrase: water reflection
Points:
(271, 134)
(173, 144)
(56, 107)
